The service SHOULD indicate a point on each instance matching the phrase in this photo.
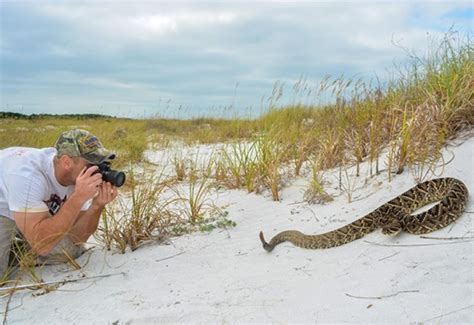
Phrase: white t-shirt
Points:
(28, 183)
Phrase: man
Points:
(52, 197)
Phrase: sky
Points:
(184, 59)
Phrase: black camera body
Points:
(115, 177)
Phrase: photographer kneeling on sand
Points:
(51, 199)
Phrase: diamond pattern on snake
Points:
(392, 217)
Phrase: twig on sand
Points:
(297, 202)
(450, 313)
(448, 238)
(40, 284)
(419, 245)
(359, 198)
(167, 258)
(384, 258)
(381, 297)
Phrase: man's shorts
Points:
(10, 234)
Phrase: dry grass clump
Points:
(158, 204)
(141, 214)
(315, 193)
(254, 165)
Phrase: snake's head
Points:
(265, 245)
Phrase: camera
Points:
(115, 177)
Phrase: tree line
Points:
(18, 116)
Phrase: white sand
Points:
(226, 277)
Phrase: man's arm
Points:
(42, 231)
(86, 224)
(88, 221)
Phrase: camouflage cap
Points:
(81, 143)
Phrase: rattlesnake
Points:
(393, 217)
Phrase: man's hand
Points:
(107, 193)
(87, 185)
(89, 220)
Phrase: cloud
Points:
(128, 21)
(140, 54)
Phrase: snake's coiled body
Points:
(392, 217)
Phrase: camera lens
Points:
(114, 177)
(119, 179)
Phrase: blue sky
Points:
(200, 58)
